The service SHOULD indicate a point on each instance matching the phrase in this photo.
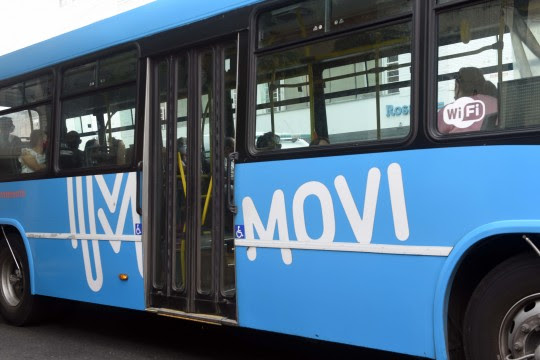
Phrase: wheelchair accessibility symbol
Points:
(138, 229)
(239, 232)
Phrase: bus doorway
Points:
(193, 131)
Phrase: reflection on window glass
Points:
(26, 92)
(104, 72)
(350, 89)
(23, 141)
(119, 68)
(315, 17)
(489, 67)
(79, 78)
(99, 129)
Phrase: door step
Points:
(203, 318)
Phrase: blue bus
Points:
(361, 172)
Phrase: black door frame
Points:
(190, 300)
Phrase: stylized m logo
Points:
(86, 215)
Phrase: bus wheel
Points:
(17, 304)
(502, 319)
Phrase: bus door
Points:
(194, 121)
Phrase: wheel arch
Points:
(473, 256)
(14, 227)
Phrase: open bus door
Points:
(192, 126)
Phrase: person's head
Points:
(6, 125)
(469, 82)
(90, 144)
(38, 138)
(268, 141)
(228, 146)
(73, 140)
(181, 144)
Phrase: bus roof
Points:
(146, 20)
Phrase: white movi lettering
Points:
(362, 227)
(327, 207)
(397, 198)
(277, 216)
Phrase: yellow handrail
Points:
(181, 169)
(207, 201)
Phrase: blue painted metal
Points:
(146, 20)
(85, 270)
(454, 198)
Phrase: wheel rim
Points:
(12, 282)
(519, 334)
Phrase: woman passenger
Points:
(34, 158)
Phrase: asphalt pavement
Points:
(83, 332)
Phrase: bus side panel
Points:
(343, 297)
(369, 236)
(55, 213)
(60, 271)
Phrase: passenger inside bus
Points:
(477, 107)
(10, 147)
(268, 141)
(97, 155)
(181, 144)
(70, 155)
(91, 149)
(34, 158)
(117, 151)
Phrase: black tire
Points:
(17, 305)
(504, 311)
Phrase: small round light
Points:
(123, 277)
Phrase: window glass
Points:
(489, 68)
(205, 252)
(297, 21)
(108, 71)
(347, 13)
(79, 79)
(353, 88)
(314, 17)
(99, 129)
(23, 141)
(181, 167)
(160, 246)
(119, 68)
(27, 92)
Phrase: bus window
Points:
(16, 139)
(98, 128)
(355, 88)
(22, 120)
(489, 68)
(315, 17)
(105, 124)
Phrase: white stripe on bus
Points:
(68, 236)
(349, 247)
